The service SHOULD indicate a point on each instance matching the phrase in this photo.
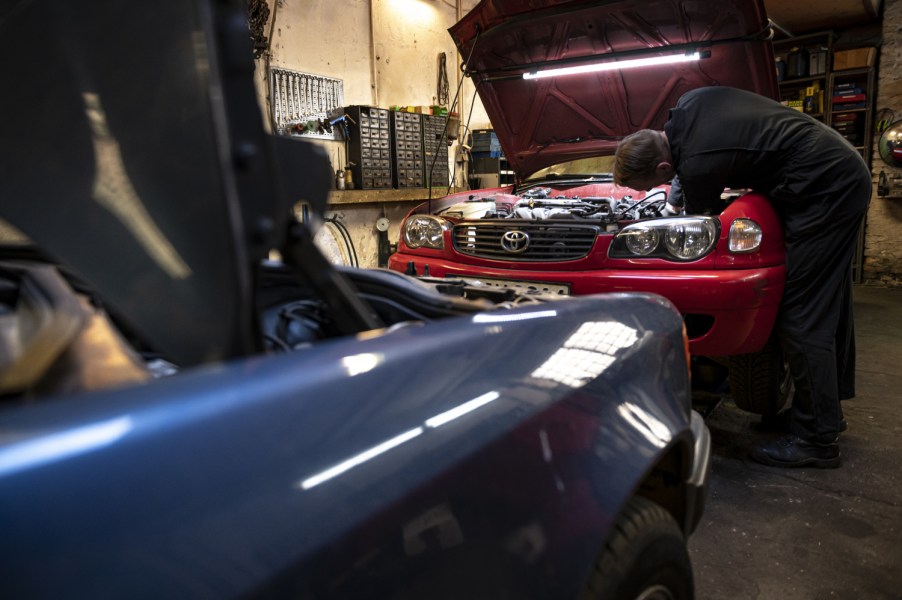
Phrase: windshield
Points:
(593, 166)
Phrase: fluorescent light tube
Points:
(615, 65)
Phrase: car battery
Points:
(407, 149)
(369, 147)
(435, 149)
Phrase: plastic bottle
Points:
(797, 63)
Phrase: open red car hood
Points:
(540, 122)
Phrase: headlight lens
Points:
(641, 241)
(745, 236)
(424, 230)
(689, 240)
(680, 239)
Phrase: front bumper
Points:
(728, 311)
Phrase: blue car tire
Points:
(646, 558)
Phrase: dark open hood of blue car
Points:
(540, 122)
(134, 154)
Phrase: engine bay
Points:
(57, 336)
(546, 203)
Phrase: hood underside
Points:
(540, 122)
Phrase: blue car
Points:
(196, 403)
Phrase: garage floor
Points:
(810, 533)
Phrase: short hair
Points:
(638, 154)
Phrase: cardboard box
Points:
(854, 59)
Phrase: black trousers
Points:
(815, 323)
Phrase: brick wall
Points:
(883, 240)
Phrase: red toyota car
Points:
(554, 80)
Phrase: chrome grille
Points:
(547, 241)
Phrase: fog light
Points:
(745, 236)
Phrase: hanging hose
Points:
(346, 238)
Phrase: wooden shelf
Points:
(383, 196)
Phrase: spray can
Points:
(349, 179)
(339, 180)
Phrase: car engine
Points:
(544, 203)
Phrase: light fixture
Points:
(615, 65)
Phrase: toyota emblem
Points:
(515, 241)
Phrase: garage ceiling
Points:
(805, 16)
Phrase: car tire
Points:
(760, 383)
(646, 558)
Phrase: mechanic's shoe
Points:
(792, 451)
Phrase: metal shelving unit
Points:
(854, 119)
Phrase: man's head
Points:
(643, 160)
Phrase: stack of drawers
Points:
(435, 148)
(407, 149)
(369, 148)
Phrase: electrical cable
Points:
(448, 118)
(461, 146)
(346, 238)
(635, 205)
(443, 89)
(349, 244)
(277, 344)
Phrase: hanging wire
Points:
(443, 89)
(346, 238)
(448, 118)
(461, 147)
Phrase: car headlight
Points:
(679, 239)
(745, 236)
(425, 230)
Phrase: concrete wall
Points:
(386, 52)
(883, 240)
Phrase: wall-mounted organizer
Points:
(369, 147)
(407, 149)
(435, 147)
(302, 103)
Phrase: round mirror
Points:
(890, 145)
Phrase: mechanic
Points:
(720, 137)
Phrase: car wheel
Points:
(760, 383)
(645, 559)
